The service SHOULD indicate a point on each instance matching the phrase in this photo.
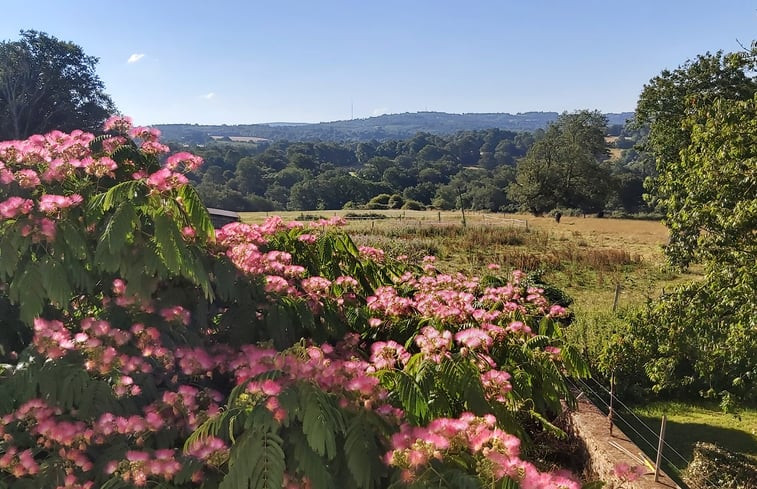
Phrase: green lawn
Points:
(689, 423)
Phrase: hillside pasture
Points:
(586, 256)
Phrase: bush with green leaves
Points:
(700, 338)
(715, 467)
(141, 347)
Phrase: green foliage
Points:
(703, 135)
(692, 342)
(48, 84)
(257, 461)
(714, 466)
(565, 167)
(319, 440)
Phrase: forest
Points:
(495, 170)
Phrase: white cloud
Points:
(209, 96)
(379, 111)
(135, 57)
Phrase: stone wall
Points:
(604, 450)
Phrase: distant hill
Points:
(383, 127)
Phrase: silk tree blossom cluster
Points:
(495, 452)
(246, 246)
(457, 299)
(28, 168)
(182, 409)
(74, 441)
(171, 176)
(148, 137)
(467, 319)
(37, 174)
(388, 354)
(106, 350)
(333, 369)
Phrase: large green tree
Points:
(48, 84)
(566, 167)
(675, 105)
(703, 136)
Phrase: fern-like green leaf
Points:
(269, 473)
(538, 341)
(122, 192)
(197, 213)
(507, 483)
(257, 461)
(574, 363)
(309, 463)
(28, 292)
(412, 397)
(74, 242)
(55, 281)
(461, 480)
(126, 152)
(321, 421)
(12, 247)
(114, 237)
(169, 243)
(362, 452)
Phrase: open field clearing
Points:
(587, 257)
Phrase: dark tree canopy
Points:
(48, 84)
(565, 168)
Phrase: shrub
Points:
(692, 343)
(144, 348)
(714, 467)
(365, 215)
(396, 201)
(413, 205)
(381, 201)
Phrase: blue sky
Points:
(307, 61)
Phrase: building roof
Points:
(222, 212)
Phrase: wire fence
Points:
(644, 433)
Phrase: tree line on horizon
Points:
(566, 166)
(380, 128)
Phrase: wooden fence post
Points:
(612, 398)
(616, 298)
(659, 449)
(462, 206)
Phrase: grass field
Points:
(587, 257)
(687, 424)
